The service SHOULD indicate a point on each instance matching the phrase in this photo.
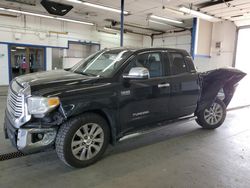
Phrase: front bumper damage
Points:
(29, 140)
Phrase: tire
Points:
(81, 141)
(212, 117)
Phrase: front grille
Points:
(15, 104)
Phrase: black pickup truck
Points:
(112, 93)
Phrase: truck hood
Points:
(48, 77)
(213, 81)
(56, 81)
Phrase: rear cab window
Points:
(177, 63)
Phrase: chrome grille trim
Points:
(16, 103)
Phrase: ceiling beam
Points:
(233, 13)
(229, 9)
(223, 5)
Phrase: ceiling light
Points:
(153, 21)
(98, 6)
(74, 21)
(28, 13)
(44, 16)
(196, 13)
(104, 7)
(110, 29)
(166, 19)
(173, 11)
(108, 32)
(13, 50)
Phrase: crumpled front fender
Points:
(212, 81)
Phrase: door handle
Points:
(163, 85)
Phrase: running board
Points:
(158, 127)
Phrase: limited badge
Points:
(125, 93)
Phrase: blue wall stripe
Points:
(69, 42)
(193, 39)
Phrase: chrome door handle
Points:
(163, 85)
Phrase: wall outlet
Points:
(218, 45)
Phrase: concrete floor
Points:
(179, 155)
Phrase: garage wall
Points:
(41, 31)
(177, 40)
(203, 37)
(225, 33)
(48, 58)
(4, 66)
(37, 32)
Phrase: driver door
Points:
(144, 101)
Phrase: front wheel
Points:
(212, 117)
(82, 140)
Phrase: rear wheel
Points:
(212, 117)
(82, 140)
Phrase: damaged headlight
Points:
(40, 106)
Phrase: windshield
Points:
(101, 64)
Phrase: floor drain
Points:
(12, 155)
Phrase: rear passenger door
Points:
(184, 85)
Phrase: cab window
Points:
(177, 63)
(152, 61)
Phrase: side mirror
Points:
(137, 73)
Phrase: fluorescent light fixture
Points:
(28, 13)
(45, 16)
(75, 1)
(153, 21)
(97, 6)
(74, 21)
(13, 50)
(108, 32)
(103, 7)
(173, 11)
(196, 13)
(110, 29)
(166, 19)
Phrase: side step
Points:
(158, 127)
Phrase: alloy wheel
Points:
(87, 141)
(214, 114)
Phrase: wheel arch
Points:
(108, 116)
(211, 83)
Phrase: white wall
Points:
(37, 31)
(203, 37)
(48, 58)
(175, 40)
(224, 32)
(4, 66)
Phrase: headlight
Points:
(39, 106)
